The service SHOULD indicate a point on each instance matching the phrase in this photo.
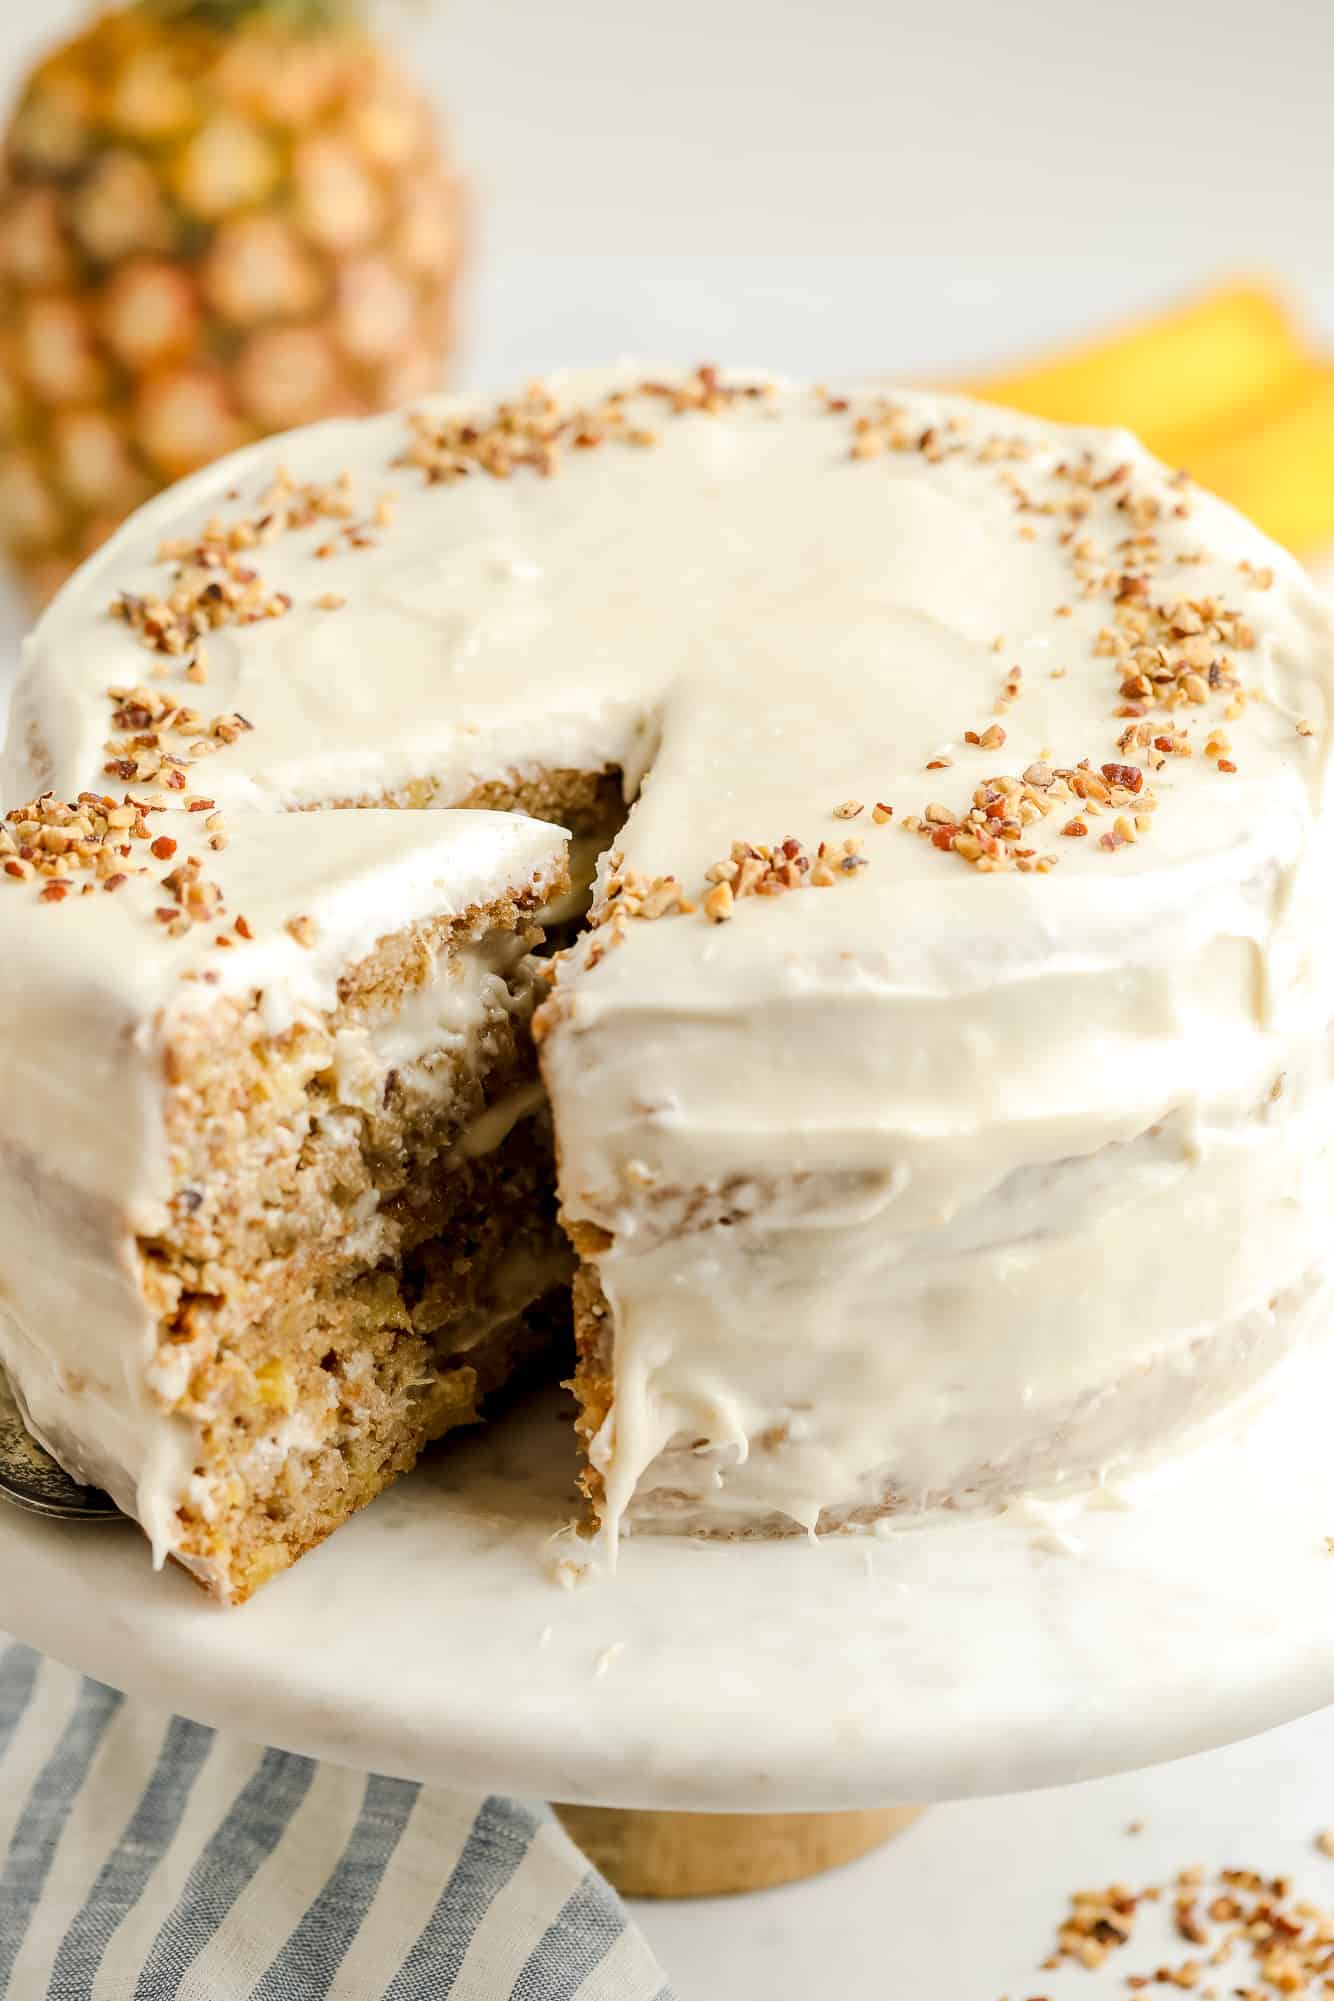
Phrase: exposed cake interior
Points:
(352, 1239)
(361, 1222)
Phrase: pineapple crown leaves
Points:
(297, 15)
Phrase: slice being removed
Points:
(274, 1151)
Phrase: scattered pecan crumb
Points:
(94, 837)
(1291, 1942)
(752, 869)
(159, 738)
(530, 432)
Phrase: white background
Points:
(826, 185)
(833, 187)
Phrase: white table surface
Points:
(837, 184)
(964, 1906)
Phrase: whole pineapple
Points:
(218, 218)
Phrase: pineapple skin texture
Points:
(206, 235)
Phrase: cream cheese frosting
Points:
(96, 984)
(988, 1152)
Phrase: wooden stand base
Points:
(719, 1854)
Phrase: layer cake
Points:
(941, 1083)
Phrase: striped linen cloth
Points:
(146, 1858)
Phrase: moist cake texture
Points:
(941, 1084)
(275, 1169)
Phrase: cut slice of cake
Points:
(275, 1164)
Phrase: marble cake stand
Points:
(456, 1633)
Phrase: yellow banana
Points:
(1279, 469)
(1187, 372)
(1224, 385)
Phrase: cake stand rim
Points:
(984, 1656)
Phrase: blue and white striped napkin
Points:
(146, 1858)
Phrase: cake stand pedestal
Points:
(647, 1854)
(457, 1632)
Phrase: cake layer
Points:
(950, 1049)
(249, 1069)
(310, 1409)
(1133, 1295)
